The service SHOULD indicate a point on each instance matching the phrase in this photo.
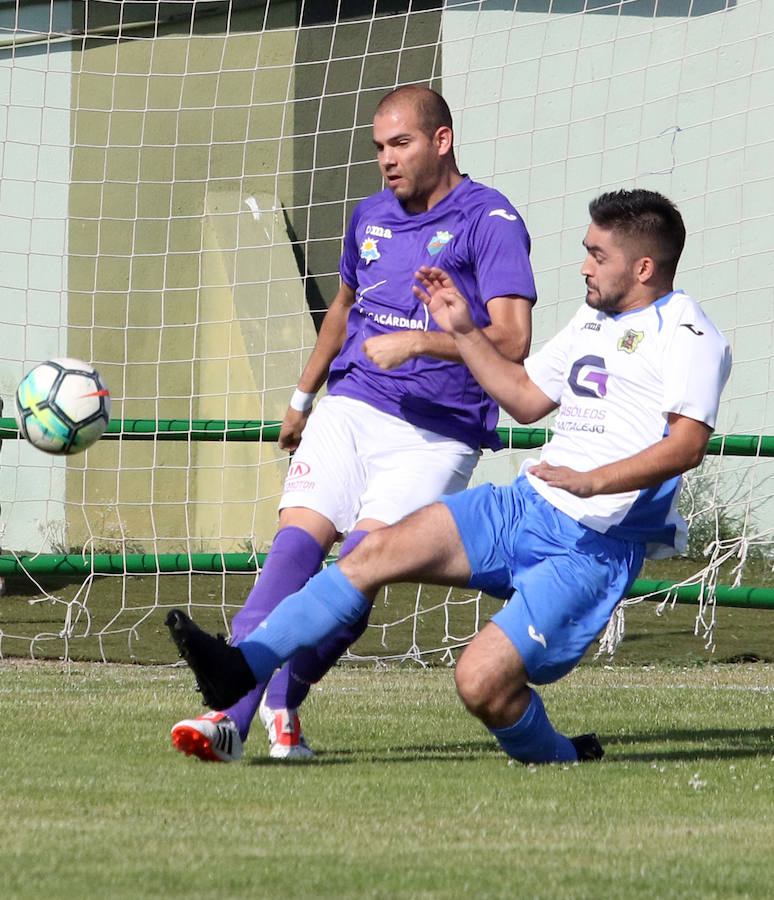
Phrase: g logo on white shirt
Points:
(588, 377)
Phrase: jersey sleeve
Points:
(696, 368)
(501, 253)
(547, 368)
(350, 253)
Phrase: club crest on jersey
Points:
(369, 251)
(630, 341)
(438, 242)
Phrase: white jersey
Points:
(616, 378)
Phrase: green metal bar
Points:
(523, 438)
(741, 445)
(175, 430)
(743, 597)
(73, 565)
(256, 430)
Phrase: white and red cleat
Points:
(212, 737)
(286, 740)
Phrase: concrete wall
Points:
(172, 210)
(190, 262)
(35, 90)
(180, 257)
(559, 107)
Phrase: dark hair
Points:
(645, 219)
(432, 110)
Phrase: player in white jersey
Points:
(613, 377)
(636, 377)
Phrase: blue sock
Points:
(326, 603)
(533, 739)
(289, 687)
(293, 558)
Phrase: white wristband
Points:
(301, 401)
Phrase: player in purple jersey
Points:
(476, 236)
(638, 352)
(403, 421)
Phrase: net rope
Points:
(177, 178)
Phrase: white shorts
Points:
(355, 462)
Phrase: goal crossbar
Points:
(755, 445)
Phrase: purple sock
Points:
(289, 687)
(293, 559)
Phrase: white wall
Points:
(551, 107)
(560, 107)
(34, 186)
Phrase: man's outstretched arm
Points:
(505, 380)
(510, 332)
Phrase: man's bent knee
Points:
(491, 680)
(485, 695)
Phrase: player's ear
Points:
(443, 139)
(645, 269)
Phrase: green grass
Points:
(407, 798)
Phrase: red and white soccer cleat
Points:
(286, 740)
(212, 737)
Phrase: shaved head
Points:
(431, 110)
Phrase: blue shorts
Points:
(564, 579)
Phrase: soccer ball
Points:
(62, 406)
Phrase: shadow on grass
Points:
(664, 633)
(466, 751)
(726, 744)
(708, 744)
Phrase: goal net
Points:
(176, 181)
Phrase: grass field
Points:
(407, 798)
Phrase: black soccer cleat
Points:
(221, 670)
(588, 748)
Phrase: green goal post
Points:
(75, 565)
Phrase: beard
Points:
(608, 303)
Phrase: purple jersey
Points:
(480, 240)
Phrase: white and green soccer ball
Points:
(62, 406)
